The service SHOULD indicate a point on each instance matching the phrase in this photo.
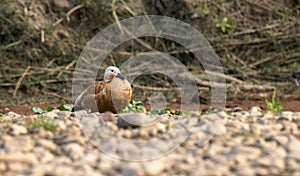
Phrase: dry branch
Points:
(20, 82)
(67, 16)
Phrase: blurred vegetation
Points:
(43, 122)
(63, 107)
(273, 105)
(257, 41)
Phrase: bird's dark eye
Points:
(112, 71)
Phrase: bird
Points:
(112, 94)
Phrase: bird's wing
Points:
(129, 90)
(103, 97)
(87, 98)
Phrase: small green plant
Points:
(273, 106)
(173, 111)
(224, 25)
(43, 122)
(63, 107)
(1, 119)
(38, 110)
(202, 11)
(135, 106)
(210, 110)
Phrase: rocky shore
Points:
(236, 142)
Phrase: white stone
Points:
(18, 129)
(47, 144)
(293, 145)
(13, 115)
(74, 150)
(288, 115)
(255, 112)
(268, 115)
(154, 167)
(19, 158)
(3, 167)
(51, 114)
(17, 143)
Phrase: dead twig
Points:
(114, 13)
(155, 88)
(20, 81)
(11, 45)
(258, 62)
(227, 77)
(58, 96)
(128, 8)
(67, 16)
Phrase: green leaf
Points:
(273, 106)
(168, 111)
(66, 107)
(37, 110)
(48, 108)
(141, 109)
(223, 29)
(178, 112)
(125, 110)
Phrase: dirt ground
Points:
(292, 105)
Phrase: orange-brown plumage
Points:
(113, 94)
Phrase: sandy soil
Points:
(292, 105)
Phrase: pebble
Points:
(268, 115)
(12, 115)
(63, 170)
(144, 134)
(17, 143)
(195, 114)
(161, 127)
(74, 150)
(64, 114)
(90, 159)
(245, 143)
(108, 117)
(3, 167)
(19, 158)
(293, 146)
(52, 114)
(271, 162)
(134, 120)
(106, 163)
(255, 112)
(154, 167)
(281, 140)
(18, 129)
(288, 115)
(60, 125)
(16, 166)
(112, 126)
(132, 168)
(296, 116)
(47, 144)
(43, 155)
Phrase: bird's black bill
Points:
(120, 76)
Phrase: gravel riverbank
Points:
(235, 142)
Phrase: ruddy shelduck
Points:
(112, 94)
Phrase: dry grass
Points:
(41, 41)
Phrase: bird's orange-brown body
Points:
(112, 95)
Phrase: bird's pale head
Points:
(110, 73)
